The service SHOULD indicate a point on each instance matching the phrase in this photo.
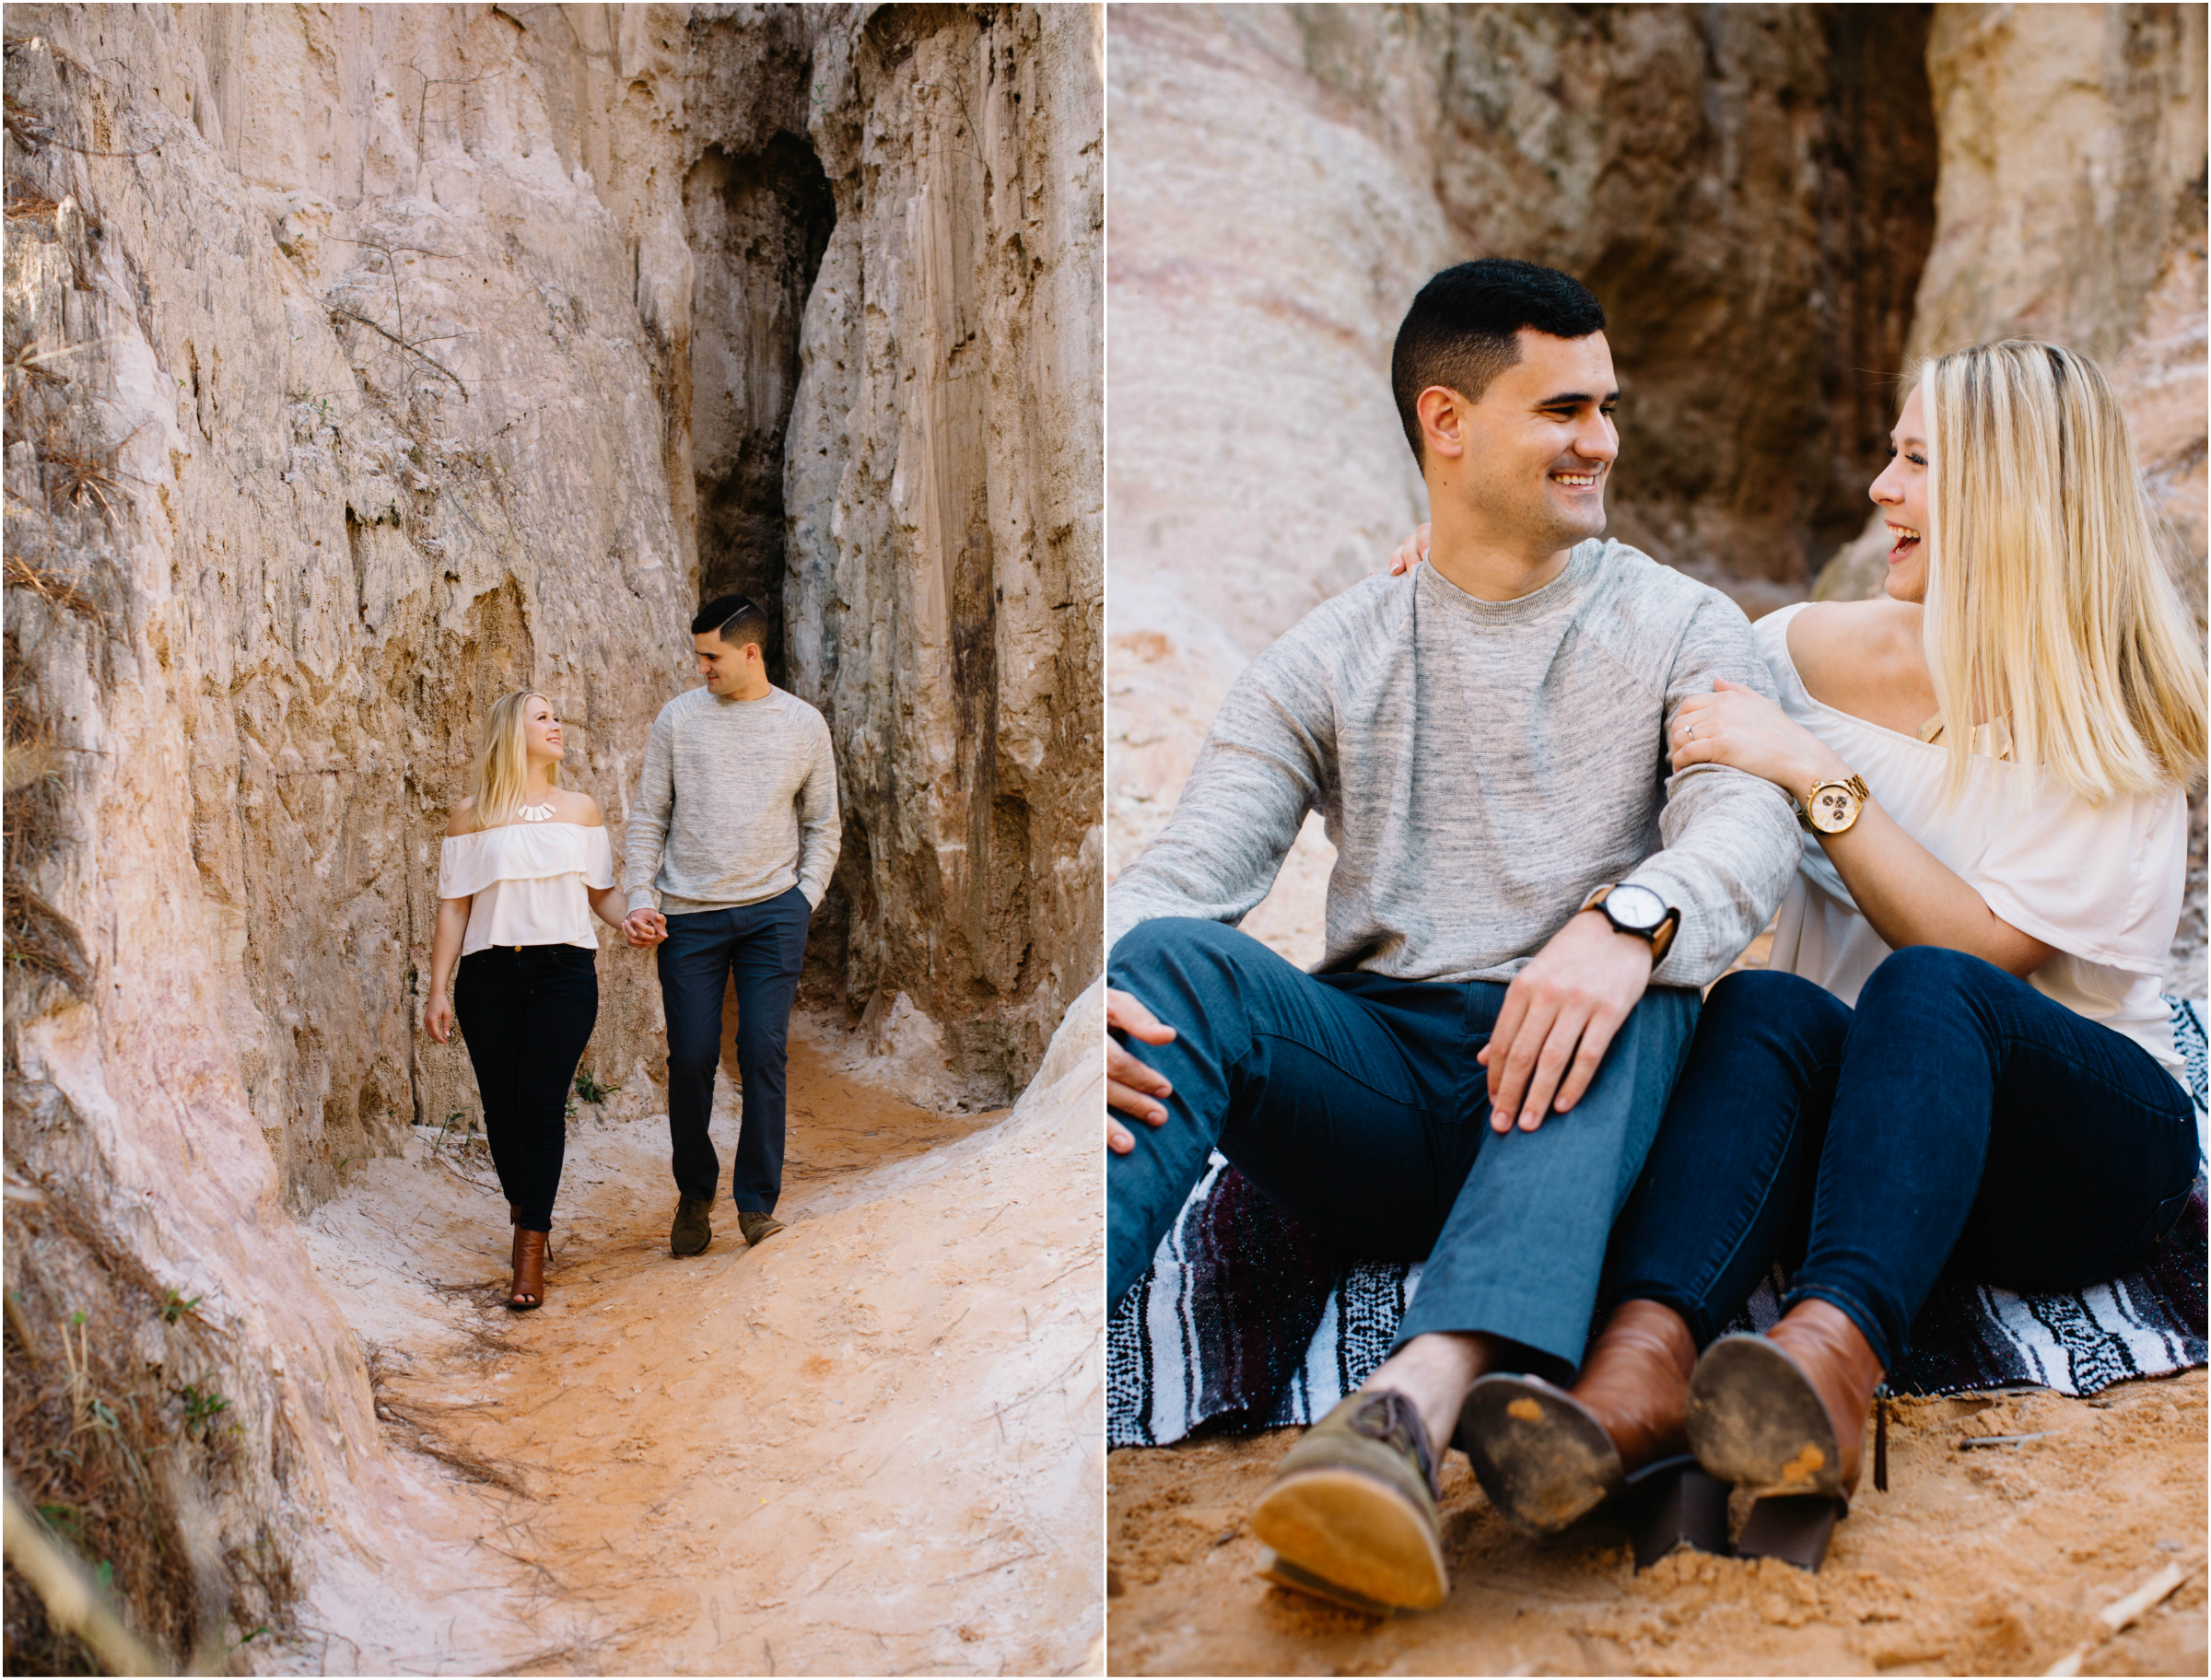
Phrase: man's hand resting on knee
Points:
(1131, 1087)
(1560, 1014)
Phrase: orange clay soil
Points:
(1977, 1561)
(856, 1449)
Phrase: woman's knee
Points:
(1764, 995)
(1933, 967)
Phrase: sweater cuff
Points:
(640, 898)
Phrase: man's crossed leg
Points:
(1357, 1103)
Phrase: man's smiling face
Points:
(1542, 443)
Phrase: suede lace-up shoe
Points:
(694, 1226)
(757, 1226)
(1353, 1505)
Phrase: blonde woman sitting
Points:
(1958, 1057)
(524, 866)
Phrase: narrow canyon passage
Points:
(844, 1451)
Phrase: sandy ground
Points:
(1987, 1560)
(868, 1446)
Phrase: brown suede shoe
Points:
(757, 1226)
(529, 1290)
(1355, 1505)
(1548, 1457)
(694, 1226)
(1784, 1413)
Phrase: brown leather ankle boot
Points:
(1635, 1382)
(1784, 1413)
(529, 1290)
(1548, 1457)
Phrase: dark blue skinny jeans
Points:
(1956, 1117)
(1354, 1103)
(526, 1013)
(754, 950)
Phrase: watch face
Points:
(1635, 907)
(1834, 808)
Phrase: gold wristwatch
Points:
(1831, 807)
(1637, 909)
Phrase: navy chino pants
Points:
(1354, 1103)
(758, 949)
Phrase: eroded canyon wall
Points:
(943, 490)
(364, 362)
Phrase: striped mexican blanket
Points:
(1247, 1321)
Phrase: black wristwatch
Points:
(1639, 911)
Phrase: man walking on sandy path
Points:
(735, 827)
(1522, 908)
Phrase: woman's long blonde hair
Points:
(500, 777)
(2048, 604)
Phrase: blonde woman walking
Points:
(524, 866)
(1958, 1057)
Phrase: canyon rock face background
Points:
(365, 362)
(1778, 207)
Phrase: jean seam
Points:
(1366, 1084)
(2013, 1041)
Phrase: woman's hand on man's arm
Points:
(1909, 895)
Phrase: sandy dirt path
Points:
(868, 1446)
(1989, 1560)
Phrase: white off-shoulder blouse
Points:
(2101, 883)
(527, 881)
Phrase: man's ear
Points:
(1442, 414)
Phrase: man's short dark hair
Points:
(1463, 330)
(735, 619)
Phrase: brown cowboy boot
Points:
(1784, 1413)
(1548, 1457)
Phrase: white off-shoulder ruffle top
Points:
(2102, 884)
(527, 881)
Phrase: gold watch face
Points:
(1834, 808)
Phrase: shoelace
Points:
(1387, 1417)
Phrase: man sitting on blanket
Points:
(1523, 908)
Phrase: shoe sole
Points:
(756, 1241)
(1754, 1421)
(1545, 1463)
(1356, 1534)
(685, 1254)
(1284, 1573)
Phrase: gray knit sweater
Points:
(737, 803)
(1481, 765)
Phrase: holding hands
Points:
(645, 926)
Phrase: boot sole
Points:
(1545, 1463)
(1356, 1534)
(1754, 1421)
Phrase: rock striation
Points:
(365, 362)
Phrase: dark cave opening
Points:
(760, 221)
